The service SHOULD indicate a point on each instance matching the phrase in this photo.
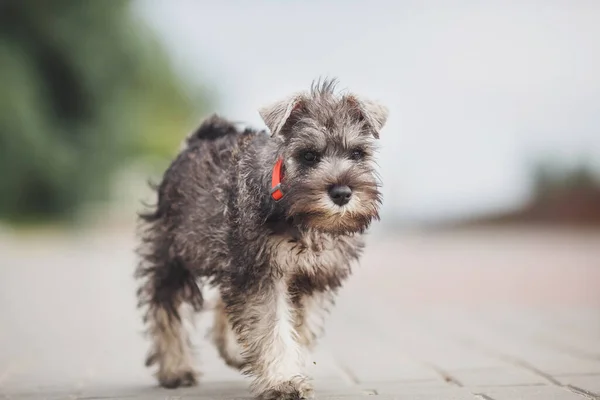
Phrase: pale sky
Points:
(475, 89)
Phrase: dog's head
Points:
(327, 145)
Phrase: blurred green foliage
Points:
(550, 178)
(86, 88)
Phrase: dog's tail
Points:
(212, 128)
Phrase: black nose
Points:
(340, 194)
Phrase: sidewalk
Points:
(503, 315)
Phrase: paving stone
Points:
(426, 393)
(364, 355)
(589, 383)
(93, 349)
(497, 377)
(215, 390)
(480, 331)
(372, 365)
(528, 393)
(338, 387)
(399, 387)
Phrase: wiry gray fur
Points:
(277, 264)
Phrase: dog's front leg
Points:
(311, 312)
(264, 321)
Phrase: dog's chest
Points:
(310, 254)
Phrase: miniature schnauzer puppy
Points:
(274, 221)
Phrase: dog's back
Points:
(214, 127)
(215, 133)
(189, 224)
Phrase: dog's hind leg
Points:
(225, 338)
(168, 289)
(310, 315)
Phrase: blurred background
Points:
(490, 158)
(495, 108)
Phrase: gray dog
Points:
(274, 221)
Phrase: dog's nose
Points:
(340, 194)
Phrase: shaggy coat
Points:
(277, 264)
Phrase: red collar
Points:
(276, 192)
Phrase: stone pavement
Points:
(505, 315)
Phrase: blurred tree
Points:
(85, 89)
(551, 178)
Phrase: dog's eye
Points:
(309, 157)
(357, 154)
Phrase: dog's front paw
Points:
(290, 390)
(175, 379)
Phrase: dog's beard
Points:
(315, 210)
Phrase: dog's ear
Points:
(375, 114)
(277, 114)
